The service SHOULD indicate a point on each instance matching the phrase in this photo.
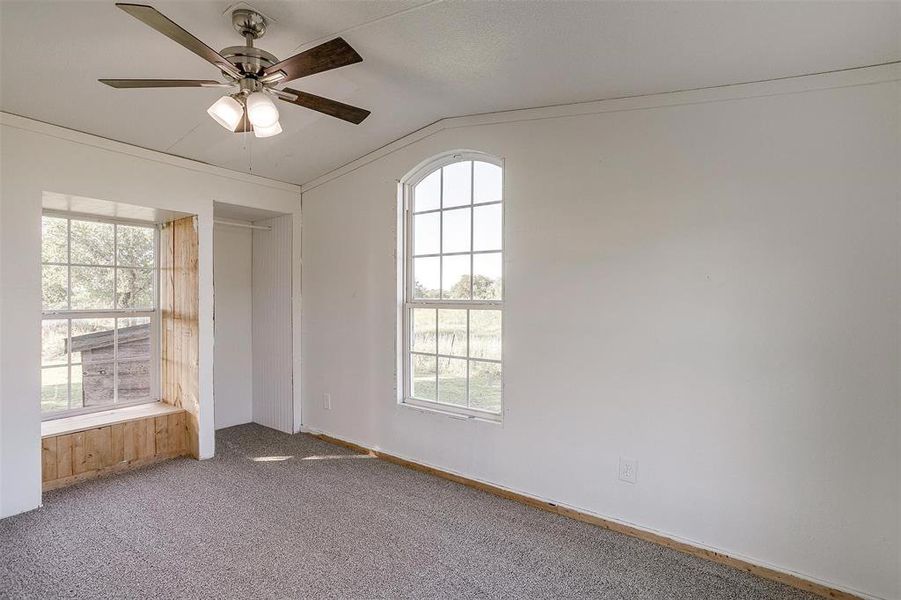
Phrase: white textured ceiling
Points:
(422, 61)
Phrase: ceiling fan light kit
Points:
(255, 73)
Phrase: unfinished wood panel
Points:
(103, 441)
(129, 442)
(71, 457)
(162, 434)
(145, 440)
(117, 433)
(272, 339)
(97, 445)
(178, 433)
(179, 309)
(48, 459)
(79, 464)
(64, 455)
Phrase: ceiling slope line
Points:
(8, 119)
(687, 90)
(346, 30)
(182, 137)
(869, 74)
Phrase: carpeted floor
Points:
(318, 521)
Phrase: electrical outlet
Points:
(327, 401)
(628, 470)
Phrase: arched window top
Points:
(429, 166)
(455, 179)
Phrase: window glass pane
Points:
(487, 183)
(486, 227)
(54, 342)
(452, 332)
(485, 386)
(92, 288)
(452, 381)
(92, 362)
(426, 233)
(486, 280)
(134, 288)
(92, 243)
(426, 277)
(423, 384)
(455, 284)
(53, 287)
(457, 184)
(427, 193)
(134, 246)
(94, 334)
(77, 387)
(97, 384)
(456, 230)
(485, 334)
(54, 389)
(133, 359)
(54, 240)
(422, 337)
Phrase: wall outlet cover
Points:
(628, 470)
(327, 401)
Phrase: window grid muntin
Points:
(115, 313)
(437, 354)
(410, 302)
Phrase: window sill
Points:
(78, 423)
(437, 410)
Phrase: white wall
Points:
(707, 282)
(273, 391)
(34, 158)
(233, 358)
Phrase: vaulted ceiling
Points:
(423, 60)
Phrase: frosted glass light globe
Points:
(264, 132)
(227, 111)
(261, 110)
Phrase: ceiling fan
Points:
(253, 71)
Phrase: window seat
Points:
(107, 417)
(86, 446)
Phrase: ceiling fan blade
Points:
(330, 55)
(334, 108)
(154, 18)
(162, 83)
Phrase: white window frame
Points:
(408, 303)
(115, 314)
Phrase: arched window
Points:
(453, 292)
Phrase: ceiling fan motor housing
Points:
(252, 61)
(249, 23)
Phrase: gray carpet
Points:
(327, 523)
